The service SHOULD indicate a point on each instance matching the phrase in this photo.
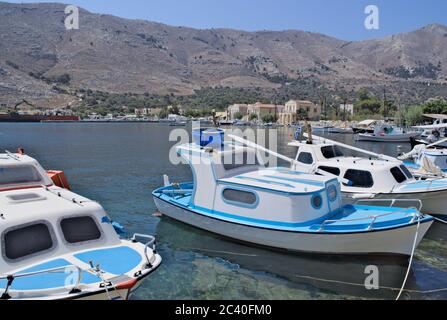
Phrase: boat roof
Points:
(367, 122)
(280, 179)
(15, 158)
(42, 203)
(432, 126)
(435, 116)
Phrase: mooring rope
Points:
(411, 258)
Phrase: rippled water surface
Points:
(120, 164)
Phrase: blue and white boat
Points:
(388, 133)
(377, 177)
(235, 196)
(57, 245)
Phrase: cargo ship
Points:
(15, 117)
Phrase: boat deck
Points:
(113, 262)
(423, 186)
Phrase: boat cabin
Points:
(359, 175)
(19, 171)
(231, 181)
(45, 227)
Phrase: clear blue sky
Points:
(343, 19)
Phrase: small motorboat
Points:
(57, 245)
(387, 133)
(373, 177)
(435, 134)
(234, 195)
(428, 161)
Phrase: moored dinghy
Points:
(279, 207)
(57, 245)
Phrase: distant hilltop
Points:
(40, 59)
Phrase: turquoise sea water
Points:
(120, 164)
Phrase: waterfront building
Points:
(236, 109)
(291, 110)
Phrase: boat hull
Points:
(386, 138)
(397, 241)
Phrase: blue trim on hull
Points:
(400, 218)
(425, 219)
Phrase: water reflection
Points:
(339, 275)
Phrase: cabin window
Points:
(406, 172)
(16, 175)
(306, 158)
(240, 197)
(238, 160)
(398, 175)
(359, 178)
(80, 229)
(330, 152)
(332, 193)
(317, 201)
(26, 241)
(332, 170)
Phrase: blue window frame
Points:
(241, 198)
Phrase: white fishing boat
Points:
(387, 133)
(57, 245)
(376, 177)
(433, 134)
(235, 196)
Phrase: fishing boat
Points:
(57, 245)
(373, 177)
(387, 133)
(433, 134)
(366, 126)
(235, 196)
(428, 160)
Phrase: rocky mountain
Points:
(41, 60)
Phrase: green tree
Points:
(437, 106)
(301, 114)
(413, 115)
(163, 114)
(253, 117)
(269, 118)
(238, 116)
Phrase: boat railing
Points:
(392, 202)
(10, 278)
(373, 219)
(59, 194)
(150, 243)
